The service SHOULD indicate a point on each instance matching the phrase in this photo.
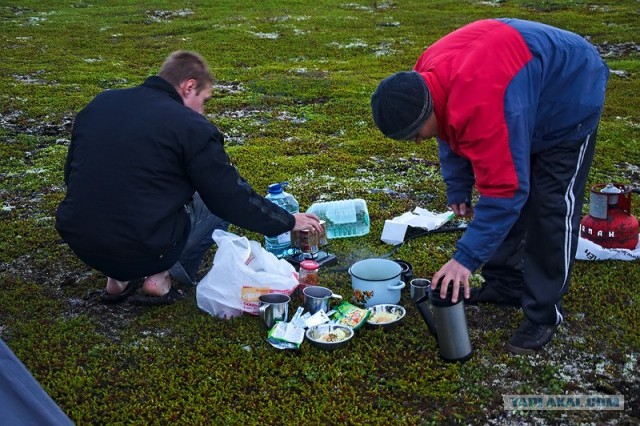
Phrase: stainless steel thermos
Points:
(447, 322)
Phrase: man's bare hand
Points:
(462, 210)
(307, 221)
(452, 273)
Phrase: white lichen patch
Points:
(600, 8)
(228, 26)
(240, 114)
(261, 117)
(276, 19)
(628, 121)
(389, 24)
(356, 6)
(167, 15)
(33, 78)
(384, 5)
(633, 168)
(384, 49)
(352, 45)
(608, 50)
(268, 36)
(287, 116)
(7, 120)
(234, 140)
(36, 171)
(493, 3)
(620, 73)
(34, 20)
(630, 368)
(228, 88)
(315, 73)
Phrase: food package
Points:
(284, 335)
(350, 315)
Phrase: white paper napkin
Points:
(395, 229)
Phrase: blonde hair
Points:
(183, 65)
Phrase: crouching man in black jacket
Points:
(148, 180)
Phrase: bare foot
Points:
(114, 286)
(158, 284)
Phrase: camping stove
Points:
(307, 245)
(321, 257)
(610, 223)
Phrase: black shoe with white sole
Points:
(531, 337)
(487, 294)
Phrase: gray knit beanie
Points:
(401, 104)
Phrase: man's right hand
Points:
(307, 221)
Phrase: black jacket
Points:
(136, 158)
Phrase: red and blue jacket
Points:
(503, 90)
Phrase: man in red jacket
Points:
(148, 180)
(514, 106)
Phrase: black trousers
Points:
(535, 260)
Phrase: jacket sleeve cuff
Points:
(466, 261)
(459, 197)
(292, 221)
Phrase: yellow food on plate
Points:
(333, 337)
(383, 317)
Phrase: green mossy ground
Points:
(293, 100)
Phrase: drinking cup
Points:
(419, 288)
(317, 299)
(273, 307)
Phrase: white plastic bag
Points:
(242, 271)
(588, 250)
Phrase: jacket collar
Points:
(162, 85)
(439, 98)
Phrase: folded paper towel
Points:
(395, 229)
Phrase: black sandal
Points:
(131, 287)
(169, 298)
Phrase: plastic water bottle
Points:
(344, 218)
(281, 245)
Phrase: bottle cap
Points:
(611, 189)
(275, 188)
(309, 265)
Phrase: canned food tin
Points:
(295, 239)
(322, 238)
(305, 240)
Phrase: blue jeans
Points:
(203, 223)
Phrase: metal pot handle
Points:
(398, 286)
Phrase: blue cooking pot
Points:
(376, 281)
